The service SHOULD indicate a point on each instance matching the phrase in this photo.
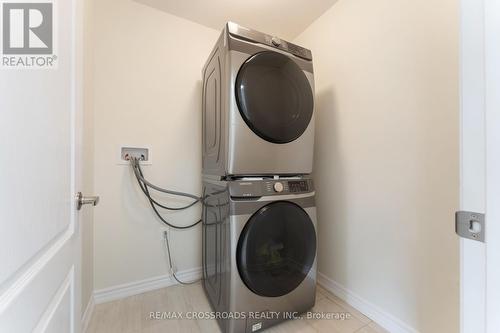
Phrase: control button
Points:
(276, 41)
(278, 187)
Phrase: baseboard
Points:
(87, 315)
(139, 287)
(379, 316)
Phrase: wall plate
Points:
(134, 150)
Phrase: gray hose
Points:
(138, 172)
(145, 190)
(134, 162)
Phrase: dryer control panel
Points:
(246, 188)
(241, 32)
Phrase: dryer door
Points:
(274, 97)
(276, 249)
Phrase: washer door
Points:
(276, 249)
(274, 97)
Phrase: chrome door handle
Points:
(81, 200)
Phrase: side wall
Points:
(147, 92)
(386, 156)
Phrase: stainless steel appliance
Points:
(258, 103)
(259, 250)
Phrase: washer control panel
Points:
(265, 187)
(278, 187)
(275, 186)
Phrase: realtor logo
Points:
(27, 35)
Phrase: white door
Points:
(480, 163)
(40, 110)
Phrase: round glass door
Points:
(276, 249)
(274, 97)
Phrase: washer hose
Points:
(144, 184)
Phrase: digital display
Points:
(298, 186)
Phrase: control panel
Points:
(266, 187)
(298, 186)
(241, 32)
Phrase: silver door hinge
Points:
(470, 225)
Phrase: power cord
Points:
(172, 271)
(144, 185)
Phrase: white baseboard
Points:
(379, 316)
(139, 287)
(87, 315)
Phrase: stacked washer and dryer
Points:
(259, 215)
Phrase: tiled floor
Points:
(132, 314)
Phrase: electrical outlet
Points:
(143, 154)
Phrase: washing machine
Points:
(259, 250)
(257, 106)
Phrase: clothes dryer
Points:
(258, 106)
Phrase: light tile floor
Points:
(132, 314)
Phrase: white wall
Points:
(147, 83)
(386, 155)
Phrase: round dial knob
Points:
(276, 41)
(278, 187)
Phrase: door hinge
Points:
(470, 225)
